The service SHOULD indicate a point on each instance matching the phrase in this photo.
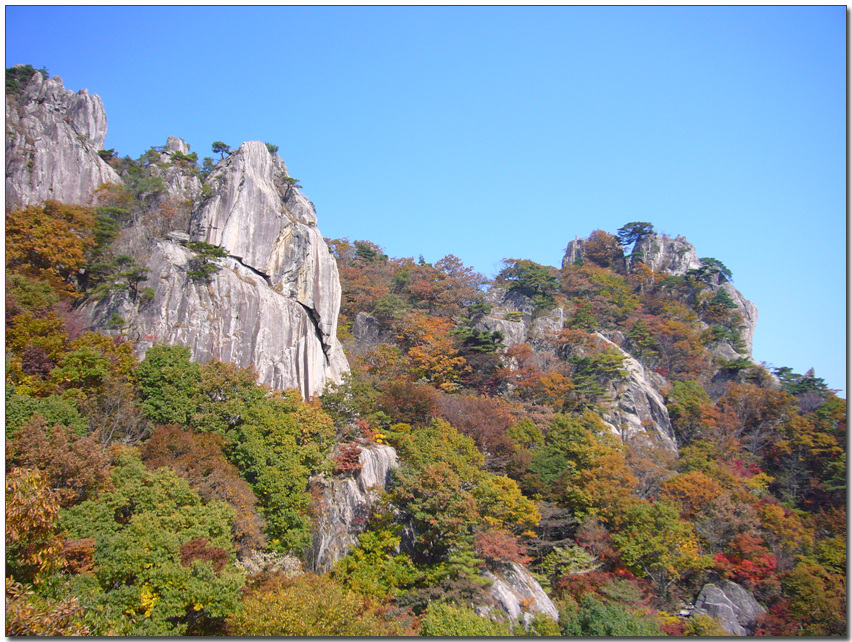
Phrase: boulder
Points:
(517, 593)
(346, 505)
(731, 604)
(52, 140)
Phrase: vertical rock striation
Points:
(346, 505)
(272, 304)
(52, 140)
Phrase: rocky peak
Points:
(181, 179)
(259, 216)
(665, 254)
(52, 140)
(574, 252)
(175, 144)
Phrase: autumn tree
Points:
(49, 241)
(140, 527)
(654, 542)
(199, 459)
(604, 250)
(308, 605)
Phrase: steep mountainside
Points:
(271, 304)
(52, 140)
(588, 450)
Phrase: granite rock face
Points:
(734, 607)
(637, 407)
(518, 594)
(274, 302)
(664, 254)
(346, 505)
(236, 317)
(52, 140)
(182, 184)
(257, 214)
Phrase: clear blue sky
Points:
(507, 131)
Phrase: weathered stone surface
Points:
(748, 310)
(637, 407)
(731, 604)
(182, 184)
(664, 254)
(574, 252)
(367, 330)
(511, 314)
(517, 593)
(260, 218)
(346, 504)
(52, 139)
(237, 318)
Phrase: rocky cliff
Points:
(345, 506)
(273, 302)
(52, 140)
(637, 406)
(664, 254)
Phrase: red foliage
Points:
(777, 621)
(347, 460)
(500, 546)
(76, 466)
(198, 549)
(199, 459)
(408, 402)
(748, 562)
(36, 362)
(483, 419)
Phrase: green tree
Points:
(656, 543)
(149, 558)
(529, 278)
(221, 148)
(596, 618)
(632, 233)
(203, 265)
(446, 620)
(168, 381)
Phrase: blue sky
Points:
(507, 131)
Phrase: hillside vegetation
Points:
(167, 497)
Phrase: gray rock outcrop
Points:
(272, 305)
(518, 594)
(637, 406)
(52, 140)
(346, 505)
(257, 214)
(574, 252)
(236, 317)
(664, 254)
(182, 183)
(511, 314)
(731, 604)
